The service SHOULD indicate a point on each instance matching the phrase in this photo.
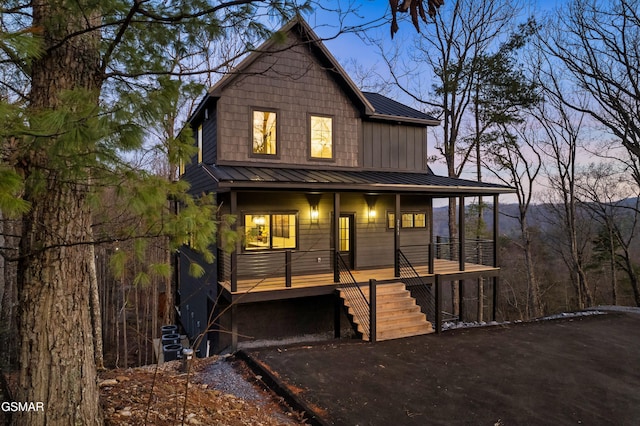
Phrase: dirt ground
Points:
(583, 370)
(218, 391)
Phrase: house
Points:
(331, 188)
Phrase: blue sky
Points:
(349, 46)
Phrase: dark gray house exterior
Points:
(330, 188)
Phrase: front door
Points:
(346, 246)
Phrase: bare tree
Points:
(515, 159)
(563, 134)
(598, 44)
(603, 191)
(451, 52)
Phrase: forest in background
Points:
(547, 104)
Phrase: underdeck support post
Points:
(396, 237)
(336, 236)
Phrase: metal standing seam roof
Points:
(389, 107)
(282, 178)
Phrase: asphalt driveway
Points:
(584, 370)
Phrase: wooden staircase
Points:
(397, 313)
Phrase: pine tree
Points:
(83, 83)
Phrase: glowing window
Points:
(264, 132)
(270, 231)
(321, 137)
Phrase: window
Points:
(321, 137)
(264, 132)
(199, 136)
(409, 220)
(270, 231)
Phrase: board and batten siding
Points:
(292, 83)
(210, 137)
(394, 146)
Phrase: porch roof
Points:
(227, 177)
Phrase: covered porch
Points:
(347, 229)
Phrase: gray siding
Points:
(210, 137)
(394, 146)
(295, 85)
(373, 241)
(200, 181)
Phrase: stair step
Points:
(383, 313)
(388, 310)
(404, 332)
(405, 322)
(408, 317)
(398, 315)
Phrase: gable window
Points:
(408, 220)
(264, 133)
(270, 231)
(321, 137)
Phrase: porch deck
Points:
(270, 288)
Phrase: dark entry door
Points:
(346, 244)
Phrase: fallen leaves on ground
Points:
(156, 395)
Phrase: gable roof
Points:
(371, 105)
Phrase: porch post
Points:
(234, 254)
(431, 246)
(373, 329)
(461, 236)
(496, 225)
(396, 237)
(461, 258)
(438, 303)
(496, 252)
(336, 236)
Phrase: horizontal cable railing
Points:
(477, 250)
(354, 296)
(281, 265)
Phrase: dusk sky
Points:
(349, 47)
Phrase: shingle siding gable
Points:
(292, 82)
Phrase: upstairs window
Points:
(321, 137)
(264, 133)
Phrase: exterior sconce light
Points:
(371, 207)
(314, 214)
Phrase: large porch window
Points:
(270, 231)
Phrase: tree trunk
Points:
(56, 335)
(612, 266)
(533, 284)
(8, 294)
(57, 364)
(96, 317)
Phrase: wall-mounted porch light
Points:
(314, 213)
(371, 207)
